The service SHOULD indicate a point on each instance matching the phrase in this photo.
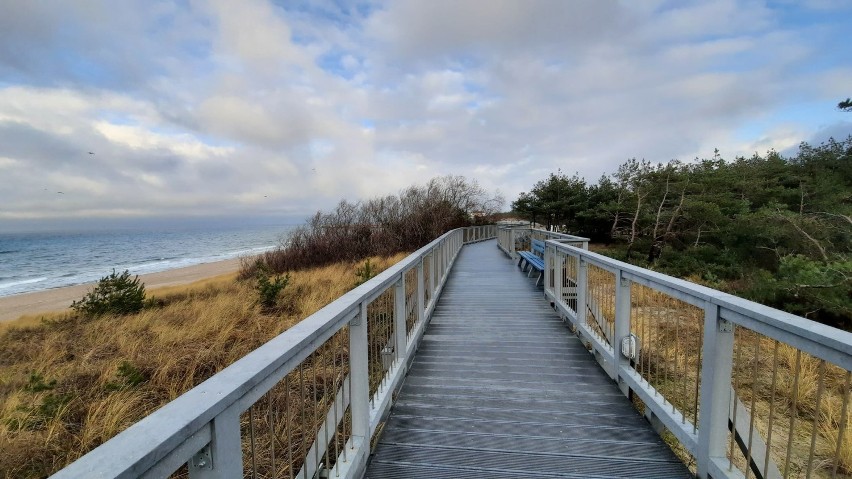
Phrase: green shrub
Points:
(114, 294)
(37, 384)
(364, 273)
(269, 287)
(41, 409)
(127, 376)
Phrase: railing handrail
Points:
(186, 420)
(820, 340)
(561, 236)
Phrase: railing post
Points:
(421, 293)
(432, 267)
(621, 327)
(716, 365)
(223, 458)
(359, 385)
(558, 275)
(400, 319)
(582, 281)
(548, 261)
(445, 258)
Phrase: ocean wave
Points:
(65, 260)
(22, 282)
(175, 263)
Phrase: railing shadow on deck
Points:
(305, 403)
(742, 388)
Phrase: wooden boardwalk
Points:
(500, 389)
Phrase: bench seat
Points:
(533, 260)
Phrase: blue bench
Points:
(534, 259)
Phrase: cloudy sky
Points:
(137, 109)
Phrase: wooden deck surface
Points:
(500, 389)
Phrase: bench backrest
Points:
(538, 247)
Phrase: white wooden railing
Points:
(744, 388)
(305, 403)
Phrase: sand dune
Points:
(13, 307)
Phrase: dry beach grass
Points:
(68, 384)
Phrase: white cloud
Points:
(214, 107)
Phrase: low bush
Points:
(364, 273)
(381, 226)
(114, 294)
(269, 286)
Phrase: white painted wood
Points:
(621, 328)
(716, 366)
(225, 447)
(400, 317)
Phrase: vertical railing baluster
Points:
(716, 368)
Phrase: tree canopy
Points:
(774, 229)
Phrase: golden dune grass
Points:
(66, 382)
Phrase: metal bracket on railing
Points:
(203, 459)
(725, 326)
(629, 346)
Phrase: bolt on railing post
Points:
(621, 327)
(359, 382)
(225, 458)
(582, 281)
(716, 366)
(399, 317)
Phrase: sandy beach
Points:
(13, 307)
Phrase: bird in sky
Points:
(59, 192)
(91, 153)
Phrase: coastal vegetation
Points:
(113, 294)
(770, 228)
(70, 382)
(382, 226)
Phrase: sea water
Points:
(39, 261)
